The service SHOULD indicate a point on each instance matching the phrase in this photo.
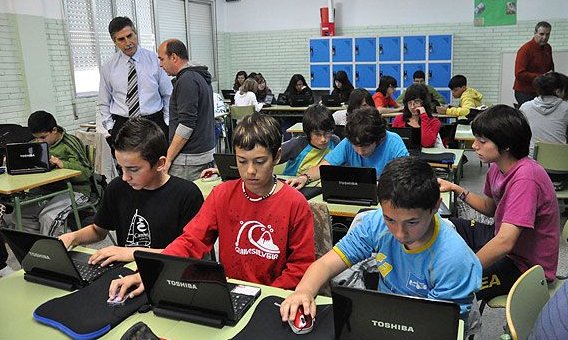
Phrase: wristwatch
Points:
(463, 195)
(308, 178)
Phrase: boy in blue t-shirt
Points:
(418, 253)
(368, 144)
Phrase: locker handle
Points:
(356, 50)
(311, 76)
(356, 75)
(404, 48)
(380, 74)
(405, 75)
(381, 49)
(311, 51)
(333, 50)
(430, 48)
(429, 74)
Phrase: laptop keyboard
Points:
(240, 301)
(89, 272)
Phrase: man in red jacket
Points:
(533, 59)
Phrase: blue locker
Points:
(348, 68)
(389, 49)
(395, 95)
(366, 75)
(439, 47)
(319, 76)
(365, 49)
(392, 70)
(319, 50)
(439, 74)
(409, 69)
(414, 47)
(447, 94)
(342, 50)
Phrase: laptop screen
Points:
(227, 165)
(24, 158)
(349, 185)
(410, 136)
(366, 314)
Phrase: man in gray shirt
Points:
(192, 127)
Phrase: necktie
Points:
(132, 91)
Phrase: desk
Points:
(463, 135)
(289, 111)
(12, 185)
(88, 126)
(295, 129)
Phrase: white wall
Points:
(265, 15)
(43, 8)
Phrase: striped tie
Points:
(132, 92)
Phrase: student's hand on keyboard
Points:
(111, 254)
(297, 182)
(289, 306)
(130, 285)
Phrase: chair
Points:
(525, 301)
(322, 236)
(554, 159)
(239, 112)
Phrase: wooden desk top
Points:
(10, 184)
(296, 128)
(463, 132)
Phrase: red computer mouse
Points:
(302, 324)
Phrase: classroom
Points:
(54, 56)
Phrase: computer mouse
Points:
(302, 324)
(209, 177)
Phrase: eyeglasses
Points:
(319, 133)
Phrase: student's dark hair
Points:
(291, 89)
(252, 75)
(249, 85)
(356, 97)
(341, 76)
(259, 80)
(416, 91)
(178, 47)
(384, 84)
(547, 84)
(563, 89)
(41, 121)
(317, 118)
(457, 81)
(240, 73)
(505, 126)
(419, 74)
(143, 136)
(409, 183)
(365, 126)
(118, 24)
(543, 24)
(258, 129)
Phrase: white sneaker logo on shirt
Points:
(263, 244)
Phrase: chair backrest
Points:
(524, 302)
(239, 112)
(322, 235)
(552, 157)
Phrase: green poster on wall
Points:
(494, 12)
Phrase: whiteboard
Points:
(507, 95)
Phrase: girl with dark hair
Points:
(383, 97)
(239, 80)
(359, 98)
(299, 87)
(342, 87)
(246, 95)
(263, 89)
(417, 113)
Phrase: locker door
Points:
(319, 50)
(348, 68)
(389, 49)
(366, 75)
(365, 49)
(447, 94)
(319, 76)
(342, 50)
(392, 70)
(440, 47)
(409, 69)
(414, 47)
(439, 74)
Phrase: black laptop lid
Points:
(365, 314)
(27, 158)
(331, 100)
(227, 165)
(227, 94)
(185, 284)
(410, 136)
(269, 98)
(300, 100)
(354, 185)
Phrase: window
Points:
(87, 23)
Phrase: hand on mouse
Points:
(289, 307)
(302, 323)
(209, 172)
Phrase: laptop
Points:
(300, 100)
(411, 138)
(229, 95)
(282, 99)
(268, 100)
(193, 290)
(349, 185)
(330, 100)
(369, 314)
(227, 165)
(45, 260)
(27, 158)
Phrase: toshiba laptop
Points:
(411, 138)
(27, 158)
(45, 260)
(349, 185)
(227, 166)
(367, 314)
(193, 290)
(330, 100)
(300, 100)
(268, 100)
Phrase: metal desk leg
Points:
(74, 205)
(18, 212)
